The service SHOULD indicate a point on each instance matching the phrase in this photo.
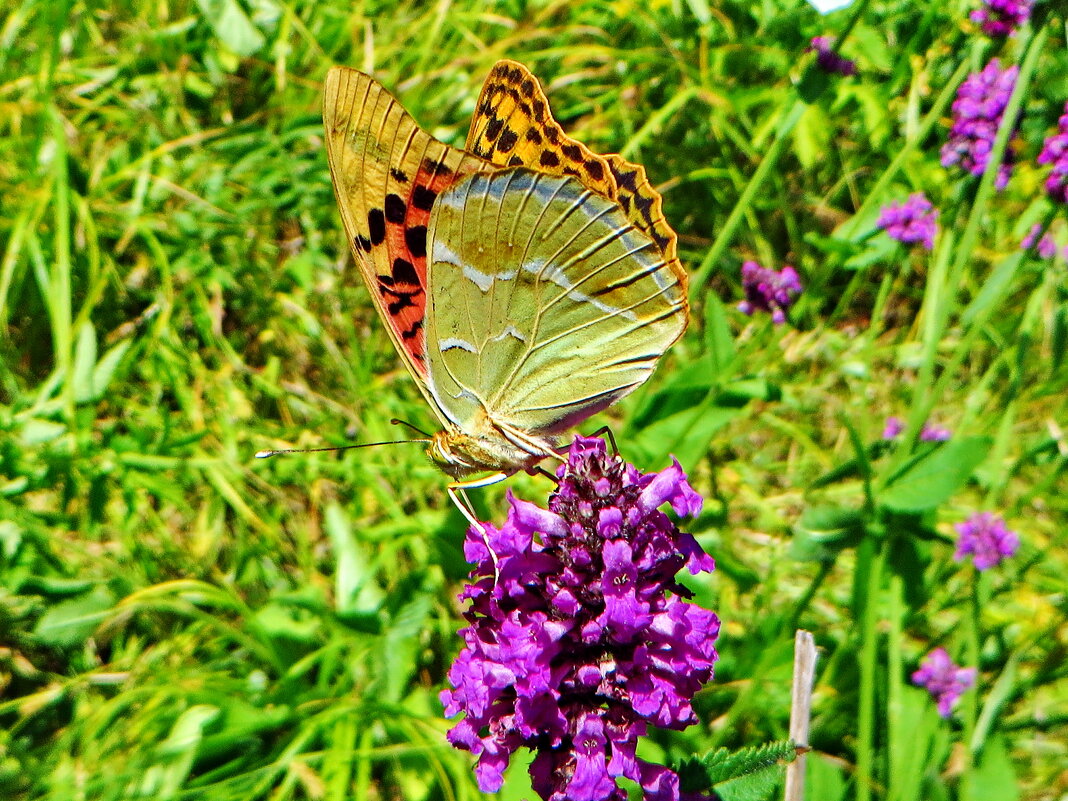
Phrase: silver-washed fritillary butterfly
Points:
(527, 283)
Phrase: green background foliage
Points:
(178, 620)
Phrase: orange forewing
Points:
(387, 172)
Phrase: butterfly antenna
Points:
(269, 453)
(397, 422)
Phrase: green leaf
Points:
(932, 477)
(685, 435)
(105, 368)
(824, 531)
(70, 623)
(37, 432)
(994, 776)
(993, 288)
(84, 362)
(354, 588)
(813, 132)
(722, 768)
(232, 26)
(176, 754)
(401, 644)
(718, 339)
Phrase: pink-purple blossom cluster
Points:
(829, 59)
(985, 537)
(945, 681)
(770, 291)
(1043, 243)
(915, 220)
(978, 109)
(1055, 152)
(931, 432)
(580, 637)
(1002, 17)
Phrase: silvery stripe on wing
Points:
(455, 342)
(443, 254)
(556, 275)
(510, 331)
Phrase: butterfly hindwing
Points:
(547, 305)
(387, 174)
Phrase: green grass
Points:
(178, 620)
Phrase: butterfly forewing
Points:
(387, 174)
(513, 126)
(547, 305)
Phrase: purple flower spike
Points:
(828, 58)
(945, 681)
(932, 432)
(980, 104)
(1001, 18)
(579, 636)
(893, 428)
(915, 220)
(1047, 248)
(1055, 152)
(768, 290)
(986, 537)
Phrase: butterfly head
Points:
(459, 454)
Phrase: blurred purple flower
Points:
(768, 290)
(1047, 248)
(929, 433)
(828, 58)
(893, 428)
(932, 432)
(1055, 152)
(945, 681)
(1002, 17)
(980, 104)
(985, 536)
(580, 637)
(915, 220)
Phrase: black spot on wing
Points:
(398, 175)
(362, 242)
(404, 272)
(436, 167)
(533, 136)
(412, 330)
(508, 140)
(527, 88)
(493, 128)
(403, 301)
(594, 169)
(376, 225)
(573, 152)
(395, 208)
(423, 198)
(415, 239)
(628, 180)
(548, 159)
(515, 161)
(539, 110)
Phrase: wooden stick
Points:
(800, 711)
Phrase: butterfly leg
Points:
(463, 503)
(611, 437)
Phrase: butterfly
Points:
(526, 282)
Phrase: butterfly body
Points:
(526, 286)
